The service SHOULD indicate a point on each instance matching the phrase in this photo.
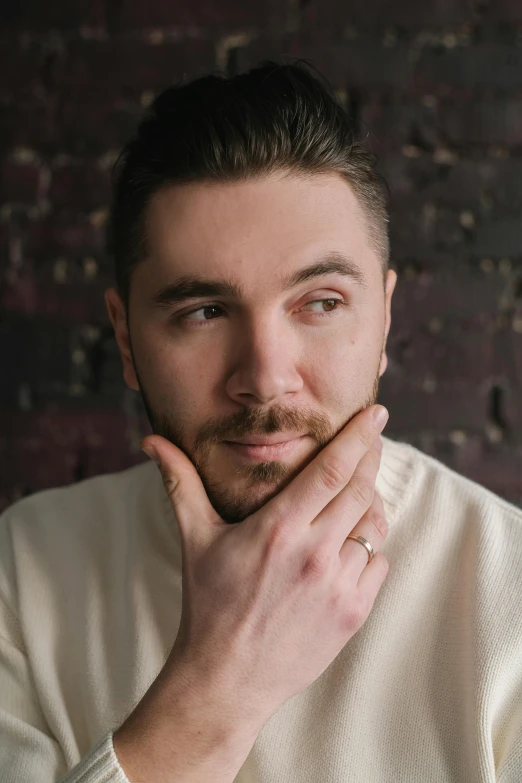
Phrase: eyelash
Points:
(184, 316)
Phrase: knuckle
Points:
(380, 524)
(365, 437)
(334, 472)
(362, 490)
(354, 616)
(316, 564)
(376, 459)
(378, 504)
(173, 488)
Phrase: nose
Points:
(264, 363)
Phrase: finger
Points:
(372, 579)
(374, 528)
(195, 515)
(328, 473)
(337, 520)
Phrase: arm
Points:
(183, 731)
(28, 751)
(160, 741)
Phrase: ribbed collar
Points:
(394, 481)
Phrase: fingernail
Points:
(379, 444)
(151, 452)
(380, 417)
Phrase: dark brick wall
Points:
(435, 86)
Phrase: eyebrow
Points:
(193, 287)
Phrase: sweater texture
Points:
(428, 690)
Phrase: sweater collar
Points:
(394, 481)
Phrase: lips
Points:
(265, 440)
(271, 451)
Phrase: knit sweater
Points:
(429, 689)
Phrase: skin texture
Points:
(265, 363)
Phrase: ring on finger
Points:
(366, 544)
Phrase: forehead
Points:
(270, 223)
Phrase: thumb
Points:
(193, 510)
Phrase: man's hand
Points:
(268, 603)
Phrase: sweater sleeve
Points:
(28, 751)
(99, 766)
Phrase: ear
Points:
(391, 280)
(117, 314)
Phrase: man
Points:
(290, 597)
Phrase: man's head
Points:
(249, 231)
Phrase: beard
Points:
(260, 481)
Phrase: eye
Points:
(333, 304)
(187, 316)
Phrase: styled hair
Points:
(275, 117)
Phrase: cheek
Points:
(328, 374)
(186, 378)
(342, 368)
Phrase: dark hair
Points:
(274, 117)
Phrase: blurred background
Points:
(435, 89)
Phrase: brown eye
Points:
(331, 304)
(328, 306)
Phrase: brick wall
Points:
(435, 86)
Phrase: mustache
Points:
(253, 421)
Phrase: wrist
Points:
(184, 727)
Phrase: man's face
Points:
(291, 363)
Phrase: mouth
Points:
(268, 449)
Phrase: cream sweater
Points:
(430, 688)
